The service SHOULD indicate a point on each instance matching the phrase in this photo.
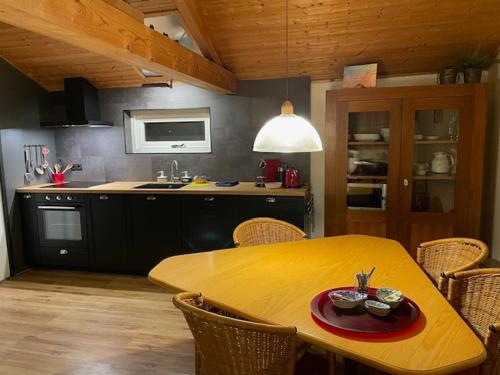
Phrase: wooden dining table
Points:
(276, 283)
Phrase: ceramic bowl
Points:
(377, 308)
(366, 137)
(346, 299)
(273, 185)
(391, 297)
(432, 137)
(418, 137)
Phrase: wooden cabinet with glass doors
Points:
(405, 162)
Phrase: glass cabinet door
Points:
(435, 139)
(368, 160)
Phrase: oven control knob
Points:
(58, 198)
(47, 198)
(69, 197)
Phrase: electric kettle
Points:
(292, 178)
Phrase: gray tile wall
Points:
(235, 120)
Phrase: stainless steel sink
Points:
(160, 185)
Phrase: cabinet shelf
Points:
(436, 142)
(435, 177)
(363, 177)
(368, 143)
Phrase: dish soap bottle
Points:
(161, 177)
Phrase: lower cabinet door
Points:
(208, 222)
(156, 230)
(289, 209)
(109, 232)
(64, 257)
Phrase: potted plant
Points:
(448, 75)
(473, 66)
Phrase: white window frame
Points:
(138, 131)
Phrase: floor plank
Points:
(62, 322)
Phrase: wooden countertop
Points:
(276, 283)
(127, 187)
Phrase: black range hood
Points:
(77, 106)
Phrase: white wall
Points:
(491, 200)
(4, 258)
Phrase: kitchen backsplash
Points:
(235, 120)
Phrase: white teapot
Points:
(442, 162)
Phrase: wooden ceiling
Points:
(403, 36)
(48, 61)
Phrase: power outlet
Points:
(77, 167)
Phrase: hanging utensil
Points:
(27, 161)
(57, 167)
(45, 154)
(68, 167)
(38, 168)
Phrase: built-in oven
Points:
(61, 221)
(366, 196)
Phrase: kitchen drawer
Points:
(64, 257)
(289, 209)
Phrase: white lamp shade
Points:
(287, 133)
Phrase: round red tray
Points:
(359, 322)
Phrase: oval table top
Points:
(276, 283)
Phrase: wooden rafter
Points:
(195, 26)
(99, 27)
(126, 8)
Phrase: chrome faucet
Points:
(172, 175)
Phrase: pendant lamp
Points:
(287, 132)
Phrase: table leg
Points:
(332, 363)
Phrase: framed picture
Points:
(360, 76)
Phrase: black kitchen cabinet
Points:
(208, 222)
(109, 232)
(155, 222)
(289, 209)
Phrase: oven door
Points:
(62, 225)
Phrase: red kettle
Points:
(292, 178)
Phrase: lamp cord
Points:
(286, 45)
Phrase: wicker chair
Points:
(226, 345)
(264, 230)
(442, 258)
(475, 295)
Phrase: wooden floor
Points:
(65, 323)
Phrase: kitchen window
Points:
(168, 131)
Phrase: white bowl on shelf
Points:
(366, 137)
(418, 137)
(432, 137)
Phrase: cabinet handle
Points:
(406, 183)
(27, 196)
(270, 200)
(209, 199)
(63, 252)
(103, 197)
(151, 198)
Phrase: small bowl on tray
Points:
(391, 297)
(377, 308)
(346, 299)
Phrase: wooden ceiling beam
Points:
(126, 8)
(97, 26)
(195, 26)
